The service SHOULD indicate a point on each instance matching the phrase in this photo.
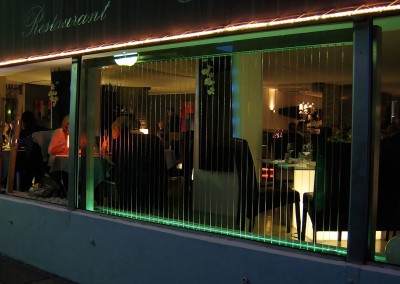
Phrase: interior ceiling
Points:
(291, 69)
(162, 77)
(36, 73)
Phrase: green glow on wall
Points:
(380, 258)
(225, 231)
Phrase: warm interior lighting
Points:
(144, 130)
(332, 14)
(126, 59)
(272, 98)
(67, 141)
(305, 110)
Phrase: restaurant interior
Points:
(220, 95)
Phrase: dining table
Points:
(101, 166)
(300, 175)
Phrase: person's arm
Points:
(58, 150)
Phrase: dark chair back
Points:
(187, 151)
(388, 218)
(330, 208)
(248, 185)
(278, 148)
(42, 139)
(141, 173)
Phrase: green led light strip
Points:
(380, 258)
(226, 232)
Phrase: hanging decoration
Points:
(209, 77)
(53, 99)
(53, 94)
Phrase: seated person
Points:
(58, 145)
(29, 125)
(174, 121)
(187, 151)
(161, 133)
(279, 145)
(6, 134)
(120, 128)
(27, 162)
(41, 141)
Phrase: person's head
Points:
(301, 126)
(292, 127)
(119, 124)
(171, 111)
(161, 124)
(6, 128)
(27, 119)
(65, 124)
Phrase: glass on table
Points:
(290, 148)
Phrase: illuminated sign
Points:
(35, 22)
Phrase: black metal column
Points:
(73, 179)
(365, 145)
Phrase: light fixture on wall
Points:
(126, 59)
(272, 98)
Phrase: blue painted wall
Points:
(89, 248)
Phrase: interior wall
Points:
(247, 109)
(90, 248)
(36, 100)
(273, 100)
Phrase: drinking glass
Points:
(290, 149)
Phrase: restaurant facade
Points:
(209, 141)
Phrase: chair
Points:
(388, 192)
(278, 148)
(255, 199)
(187, 150)
(42, 139)
(33, 162)
(140, 172)
(328, 205)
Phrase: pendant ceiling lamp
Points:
(126, 59)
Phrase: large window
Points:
(254, 145)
